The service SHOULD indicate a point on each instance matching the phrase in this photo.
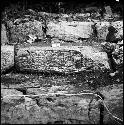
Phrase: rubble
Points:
(116, 50)
(109, 13)
(79, 26)
(102, 29)
(119, 27)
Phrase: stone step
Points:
(65, 59)
(74, 30)
(64, 30)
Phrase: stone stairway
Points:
(87, 60)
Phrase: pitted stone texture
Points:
(119, 27)
(4, 38)
(102, 28)
(7, 57)
(47, 59)
(63, 59)
(20, 32)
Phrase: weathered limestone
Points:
(44, 109)
(72, 109)
(119, 26)
(102, 28)
(20, 31)
(65, 30)
(8, 98)
(96, 56)
(68, 108)
(7, 57)
(4, 39)
(114, 101)
(70, 30)
(108, 11)
(63, 59)
(74, 30)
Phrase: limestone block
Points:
(7, 57)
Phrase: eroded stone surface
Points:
(63, 59)
(102, 28)
(113, 100)
(4, 38)
(6, 94)
(20, 32)
(70, 30)
(7, 57)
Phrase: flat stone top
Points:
(7, 48)
(85, 50)
(62, 48)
